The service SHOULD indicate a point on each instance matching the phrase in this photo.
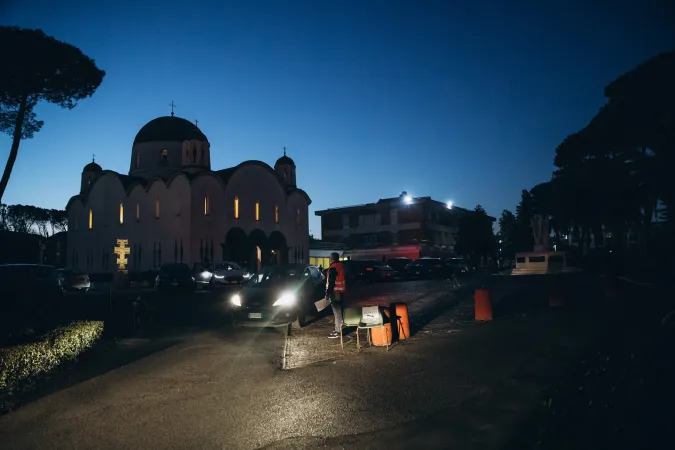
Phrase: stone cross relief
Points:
(540, 231)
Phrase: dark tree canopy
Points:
(38, 68)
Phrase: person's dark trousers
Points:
(336, 303)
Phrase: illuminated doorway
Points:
(258, 257)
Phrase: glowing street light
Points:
(407, 199)
(449, 205)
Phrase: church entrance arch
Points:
(236, 246)
(259, 249)
(278, 248)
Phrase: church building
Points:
(173, 208)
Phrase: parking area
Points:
(425, 299)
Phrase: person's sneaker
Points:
(334, 335)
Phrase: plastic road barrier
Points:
(402, 320)
(381, 336)
(482, 304)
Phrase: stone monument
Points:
(541, 260)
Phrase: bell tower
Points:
(285, 168)
(89, 174)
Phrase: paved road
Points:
(224, 389)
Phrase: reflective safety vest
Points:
(340, 284)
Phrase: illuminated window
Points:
(257, 210)
(121, 213)
(236, 207)
(138, 211)
(297, 217)
(276, 213)
(156, 208)
(91, 219)
(206, 206)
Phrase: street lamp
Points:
(407, 199)
(449, 204)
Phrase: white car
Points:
(230, 273)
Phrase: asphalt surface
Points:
(214, 387)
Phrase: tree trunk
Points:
(14, 151)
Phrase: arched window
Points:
(297, 217)
(164, 156)
(207, 206)
(138, 211)
(276, 213)
(236, 207)
(138, 159)
(121, 213)
(157, 208)
(257, 210)
(91, 219)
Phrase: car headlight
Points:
(248, 275)
(286, 299)
(236, 300)
(219, 277)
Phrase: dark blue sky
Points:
(462, 103)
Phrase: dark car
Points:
(399, 265)
(427, 268)
(175, 277)
(457, 266)
(279, 295)
(32, 296)
(73, 280)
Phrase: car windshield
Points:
(277, 274)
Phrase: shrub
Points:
(25, 361)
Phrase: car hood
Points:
(265, 295)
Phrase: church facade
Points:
(173, 208)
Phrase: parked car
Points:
(399, 265)
(175, 277)
(203, 273)
(230, 273)
(427, 268)
(458, 266)
(73, 280)
(279, 295)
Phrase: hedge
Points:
(25, 361)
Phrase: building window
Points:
(91, 219)
(297, 216)
(207, 206)
(121, 213)
(164, 156)
(236, 207)
(276, 213)
(138, 159)
(157, 208)
(257, 210)
(138, 211)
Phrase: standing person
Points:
(335, 291)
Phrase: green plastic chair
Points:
(351, 317)
(356, 317)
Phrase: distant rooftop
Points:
(399, 199)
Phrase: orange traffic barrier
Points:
(381, 336)
(482, 304)
(402, 320)
(556, 298)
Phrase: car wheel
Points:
(301, 319)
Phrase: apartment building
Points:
(392, 227)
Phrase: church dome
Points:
(92, 167)
(284, 160)
(169, 128)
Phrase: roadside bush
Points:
(25, 361)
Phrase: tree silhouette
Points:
(38, 68)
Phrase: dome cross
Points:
(172, 105)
